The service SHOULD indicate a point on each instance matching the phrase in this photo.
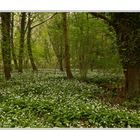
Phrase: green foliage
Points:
(93, 45)
(128, 36)
(48, 100)
(103, 76)
(132, 103)
(56, 40)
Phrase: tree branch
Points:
(44, 21)
(99, 15)
(109, 21)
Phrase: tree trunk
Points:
(127, 28)
(59, 54)
(5, 44)
(60, 58)
(61, 65)
(67, 48)
(128, 36)
(132, 84)
(12, 41)
(22, 38)
(82, 67)
(29, 44)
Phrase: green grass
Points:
(48, 100)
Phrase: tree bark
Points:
(5, 44)
(12, 41)
(128, 36)
(60, 61)
(67, 47)
(22, 38)
(60, 58)
(29, 30)
(132, 76)
(127, 28)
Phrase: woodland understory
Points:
(69, 70)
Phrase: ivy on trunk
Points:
(5, 44)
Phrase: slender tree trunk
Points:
(60, 61)
(67, 47)
(83, 67)
(12, 41)
(83, 63)
(61, 65)
(5, 44)
(22, 38)
(60, 58)
(29, 43)
(59, 55)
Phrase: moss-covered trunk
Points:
(128, 36)
(5, 44)
(22, 40)
(29, 44)
(67, 47)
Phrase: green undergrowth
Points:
(49, 100)
(105, 77)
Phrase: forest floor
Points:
(47, 99)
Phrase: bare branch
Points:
(44, 21)
(105, 18)
(101, 16)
